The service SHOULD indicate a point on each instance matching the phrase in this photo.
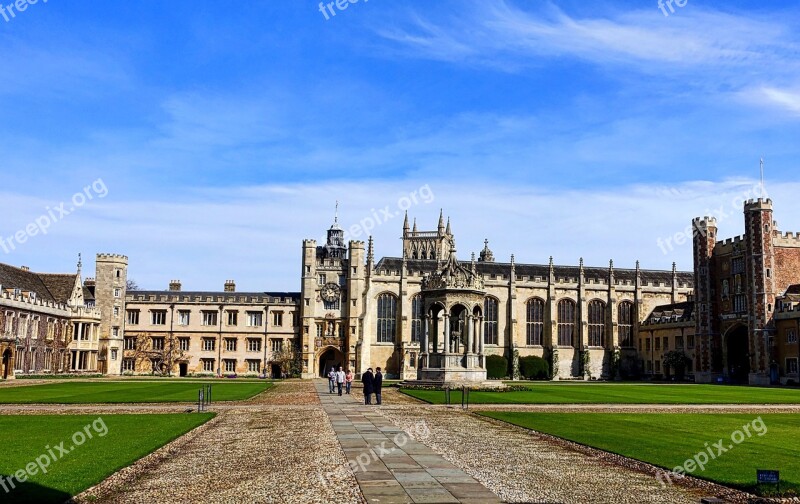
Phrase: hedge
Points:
(496, 367)
(534, 368)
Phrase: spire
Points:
(448, 232)
(370, 252)
(581, 265)
(80, 264)
(611, 272)
(405, 225)
(415, 226)
(441, 221)
(513, 268)
(336, 214)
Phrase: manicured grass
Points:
(620, 393)
(127, 438)
(133, 391)
(669, 440)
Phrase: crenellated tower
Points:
(760, 265)
(706, 331)
(111, 279)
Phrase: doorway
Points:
(738, 362)
(330, 358)
(6, 363)
(183, 369)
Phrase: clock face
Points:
(330, 292)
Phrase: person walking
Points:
(348, 381)
(377, 383)
(367, 379)
(331, 380)
(340, 379)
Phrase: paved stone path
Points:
(389, 464)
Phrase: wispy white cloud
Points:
(699, 36)
(784, 99)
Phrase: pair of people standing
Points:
(338, 379)
(372, 385)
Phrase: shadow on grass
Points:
(14, 492)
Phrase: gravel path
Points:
(277, 455)
(523, 466)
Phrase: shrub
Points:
(496, 367)
(534, 368)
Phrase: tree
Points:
(289, 360)
(157, 359)
(677, 361)
(131, 285)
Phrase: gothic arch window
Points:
(625, 323)
(597, 323)
(417, 310)
(534, 318)
(387, 317)
(490, 321)
(566, 322)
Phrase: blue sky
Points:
(225, 132)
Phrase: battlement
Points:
(26, 298)
(758, 204)
(731, 241)
(112, 258)
(356, 244)
(309, 243)
(705, 221)
(787, 239)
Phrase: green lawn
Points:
(668, 440)
(620, 393)
(132, 391)
(127, 438)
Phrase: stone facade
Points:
(373, 315)
(211, 333)
(739, 282)
(46, 324)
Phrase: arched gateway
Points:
(451, 347)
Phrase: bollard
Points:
(447, 395)
(209, 394)
(200, 400)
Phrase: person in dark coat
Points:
(367, 379)
(377, 383)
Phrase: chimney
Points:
(24, 268)
(175, 286)
(230, 286)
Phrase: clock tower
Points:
(333, 278)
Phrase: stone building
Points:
(46, 324)
(213, 333)
(667, 328)
(738, 282)
(362, 313)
